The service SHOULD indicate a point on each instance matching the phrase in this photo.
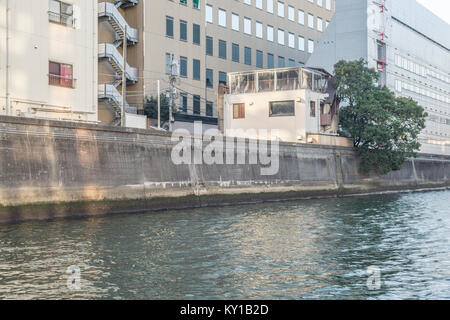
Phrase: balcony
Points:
(108, 11)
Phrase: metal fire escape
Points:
(109, 52)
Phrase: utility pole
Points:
(159, 104)
(174, 71)
(124, 77)
(8, 59)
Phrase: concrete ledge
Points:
(83, 209)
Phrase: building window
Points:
(281, 62)
(196, 34)
(301, 17)
(209, 46)
(312, 109)
(281, 36)
(196, 4)
(270, 61)
(168, 63)
(248, 26)
(248, 56)
(183, 30)
(291, 63)
(235, 53)
(259, 30)
(183, 67)
(280, 9)
(270, 33)
(310, 46)
(235, 21)
(291, 38)
(310, 21)
(291, 13)
(196, 104)
(60, 12)
(209, 109)
(259, 59)
(222, 18)
(196, 68)
(282, 108)
(259, 4)
(209, 13)
(222, 49)
(239, 111)
(301, 43)
(319, 24)
(183, 2)
(183, 102)
(319, 3)
(60, 74)
(223, 77)
(270, 6)
(328, 4)
(209, 78)
(169, 27)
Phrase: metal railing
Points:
(109, 10)
(108, 50)
(109, 91)
(62, 81)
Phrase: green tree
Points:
(151, 107)
(384, 128)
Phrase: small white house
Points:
(297, 103)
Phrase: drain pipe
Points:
(8, 66)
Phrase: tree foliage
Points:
(384, 128)
(151, 107)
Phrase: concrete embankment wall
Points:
(54, 169)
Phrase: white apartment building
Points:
(48, 59)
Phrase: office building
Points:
(408, 45)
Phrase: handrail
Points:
(108, 50)
(109, 91)
(108, 9)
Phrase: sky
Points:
(440, 8)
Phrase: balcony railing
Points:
(277, 80)
(62, 81)
(109, 10)
(108, 50)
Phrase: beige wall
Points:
(35, 41)
(257, 116)
(157, 44)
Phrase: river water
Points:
(312, 249)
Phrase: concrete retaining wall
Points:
(57, 169)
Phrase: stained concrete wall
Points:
(59, 169)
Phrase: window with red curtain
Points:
(60, 74)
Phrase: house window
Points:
(235, 21)
(270, 33)
(248, 26)
(196, 4)
(259, 29)
(239, 111)
(60, 74)
(312, 109)
(259, 59)
(281, 62)
(282, 108)
(209, 13)
(60, 12)
(280, 9)
(222, 18)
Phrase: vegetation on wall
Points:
(384, 128)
